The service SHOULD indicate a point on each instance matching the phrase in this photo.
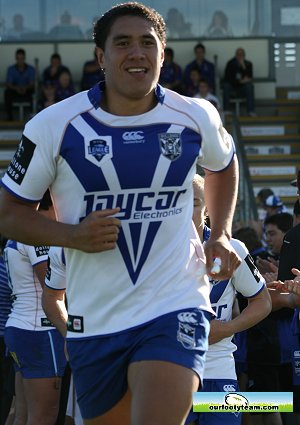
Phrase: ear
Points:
(100, 57)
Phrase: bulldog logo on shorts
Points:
(186, 329)
(186, 335)
(170, 145)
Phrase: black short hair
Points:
(103, 25)
(170, 51)
(56, 56)
(284, 221)
(199, 46)
(20, 52)
(249, 236)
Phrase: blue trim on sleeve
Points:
(55, 289)
(16, 195)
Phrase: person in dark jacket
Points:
(238, 81)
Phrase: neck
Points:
(127, 106)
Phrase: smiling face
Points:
(132, 59)
(274, 238)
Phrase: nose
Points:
(136, 51)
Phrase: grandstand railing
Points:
(246, 210)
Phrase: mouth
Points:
(137, 70)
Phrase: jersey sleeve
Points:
(217, 146)
(32, 169)
(36, 254)
(246, 279)
(56, 273)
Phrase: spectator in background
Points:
(53, 71)
(238, 81)
(19, 83)
(206, 68)
(65, 30)
(18, 29)
(176, 25)
(205, 93)
(219, 26)
(191, 87)
(64, 87)
(250, 238)
(276, 227)
(91, 73)
(171, 72)
(273, 205)
(47, 95)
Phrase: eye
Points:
(122, 43)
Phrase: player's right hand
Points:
(97, 232)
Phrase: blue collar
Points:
(96, 92)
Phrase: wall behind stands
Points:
(74, 54)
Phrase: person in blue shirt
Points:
(170, 73)
(19, 83)
(206, 68)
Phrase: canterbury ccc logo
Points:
(133, 135)
(188, 317)
(229, 388)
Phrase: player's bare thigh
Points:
(159, 393)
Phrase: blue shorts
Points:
(36, 354)
(215, 418)
(100, 364)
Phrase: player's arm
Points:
(40, 271)
(220, 192)
(257, 309)
(19, 220)
(53, 302)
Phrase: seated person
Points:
(238, 81)
(91, 74)
(205, 68)
(64, 86)
(205, 93)
(47, 95)
(65, 30)
(53, 71)
(191, 87)
(170, 73)
(19, 83)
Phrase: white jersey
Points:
(56, 273)
(144, 164)
(27, 312)
(246, 280)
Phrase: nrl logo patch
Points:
(98, 148)
(170, 145)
